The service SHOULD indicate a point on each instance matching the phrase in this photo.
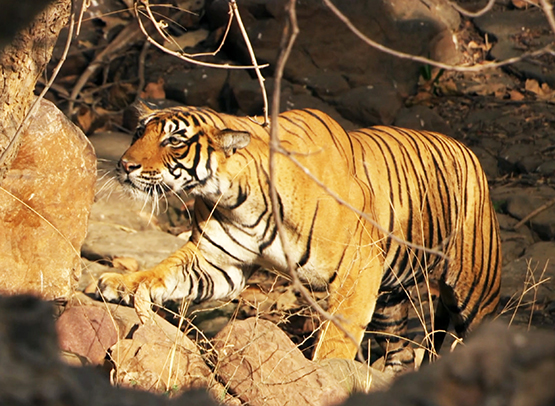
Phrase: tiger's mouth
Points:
(155, 185)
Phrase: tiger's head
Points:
(177, 149)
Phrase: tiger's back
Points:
(427, 214)
(367, 215)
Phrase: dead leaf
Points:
(516, 95)
(142, 304)
(524, 3)
(448, 87)
(85, 118)
(154, 90)
(543, 91)
(125, 264)
(532, 85)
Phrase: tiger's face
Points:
(178, 152)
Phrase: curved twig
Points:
(180, 55)
(473, 14)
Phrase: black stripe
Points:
(304, 259)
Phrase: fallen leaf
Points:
(516, 95)
(524, 3)
(154, 90)
(532, 85)
(125, 264)
(142, 304)
(85, 118)
(543, 91)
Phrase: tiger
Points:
(366, 215)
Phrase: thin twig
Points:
(534, 213)
(141, 69)
(288, 39)
(235, 12)
(180, 55)
(34, 107)
(126, 37)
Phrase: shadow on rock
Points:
(497, 367)
(31, 372)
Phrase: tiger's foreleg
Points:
(352, 301)
(184, 275)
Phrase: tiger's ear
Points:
(231, 140)
(143, 109)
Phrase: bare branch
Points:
(548, 49)
(181, 55)
(235, 12)
(126, 37)
(548, 10)
(476, 13)
(288, 39)
(534, 213)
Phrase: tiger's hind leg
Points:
(391, 318)
(440, 325)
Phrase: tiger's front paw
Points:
(115, 287)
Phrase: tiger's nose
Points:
(128, 166)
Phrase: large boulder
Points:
(45, 202)
(259, 363)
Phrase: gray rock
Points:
(522, 203)
(498, 366)
(107, 241)
(86, 331)
(325, 84)
(327, 49)
(91, 272)
(261, 364)
(210, 317)
(369, 105)
(159, 358)
(521, 157)
(31, 370)
(489, 163)
(506, 26)
(196, 87)
(109, 147)
(521, 275)
(422, 118)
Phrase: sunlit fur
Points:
(415, 186)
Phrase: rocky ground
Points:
(505, 115)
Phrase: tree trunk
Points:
(21, 64)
